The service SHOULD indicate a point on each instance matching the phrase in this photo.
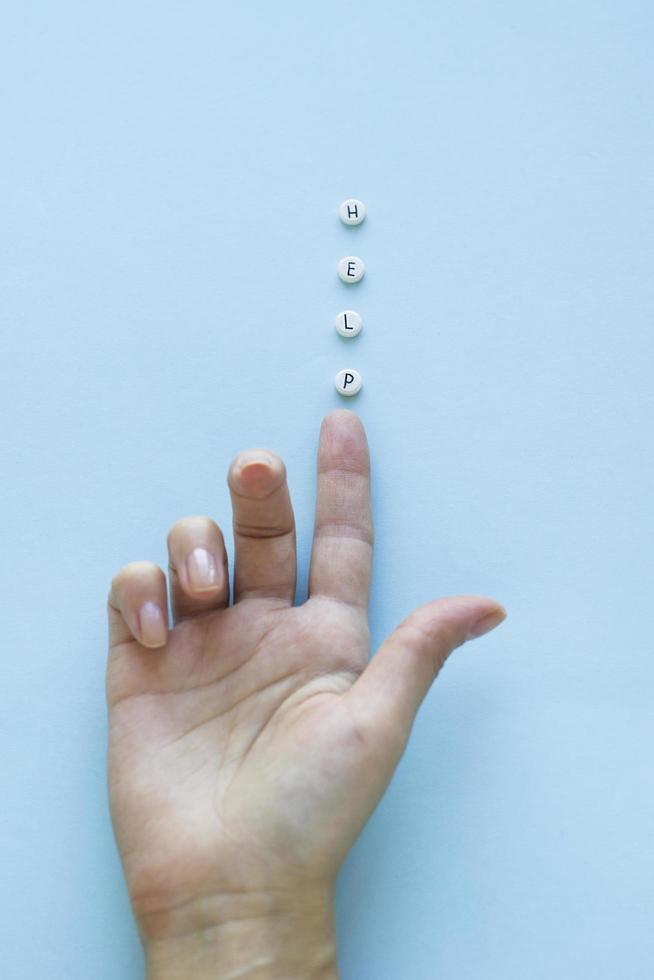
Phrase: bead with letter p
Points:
(348, 382)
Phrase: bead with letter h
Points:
(352, 212)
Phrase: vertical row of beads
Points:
(348, 323)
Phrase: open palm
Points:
(249, 744)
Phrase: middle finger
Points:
(264, 527)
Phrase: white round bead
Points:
(352, 212)
(348, 382)
(348, 323)
(351, 268)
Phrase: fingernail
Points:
(487, 623)
(152, 625)
(202, 570)
(256, 474)
(253, 458)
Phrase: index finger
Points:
(343, 533)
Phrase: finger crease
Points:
(345, 467)
(343, 529)
(255, 531)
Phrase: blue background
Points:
(169, 184)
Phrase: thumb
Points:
(386, 697)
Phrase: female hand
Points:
(249, 743)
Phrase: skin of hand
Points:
(249, 743)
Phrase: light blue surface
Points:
(169, 184)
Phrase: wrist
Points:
(249, 936)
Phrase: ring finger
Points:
(199, 580)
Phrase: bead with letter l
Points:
(348, 323)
